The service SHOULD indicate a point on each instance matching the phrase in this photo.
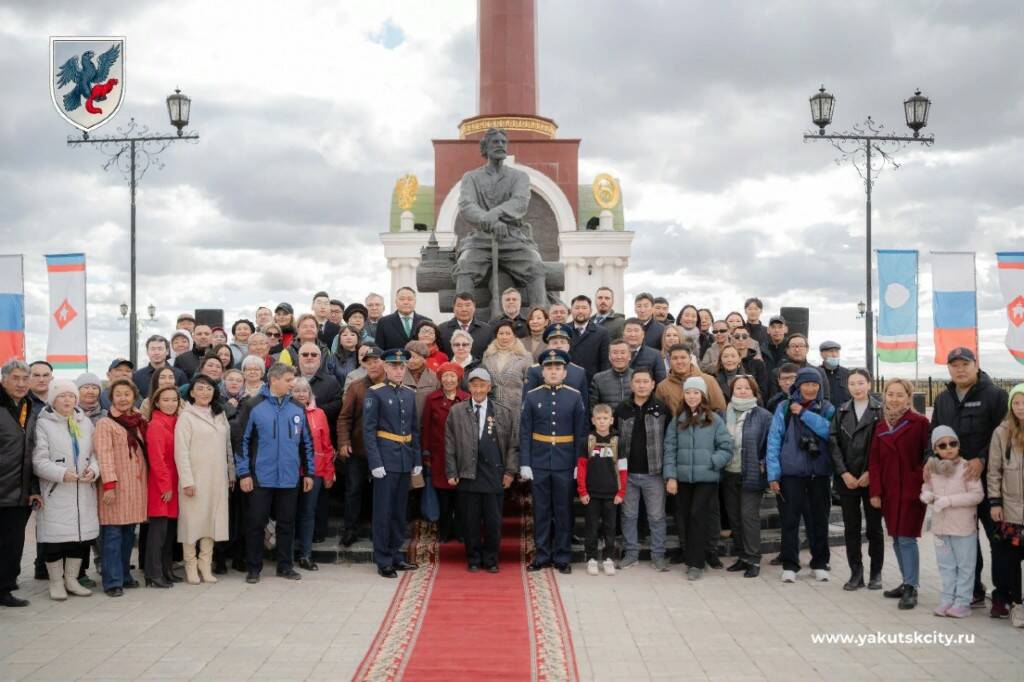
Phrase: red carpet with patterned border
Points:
(446, 623)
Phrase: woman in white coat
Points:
(62, 459)
(206, 474)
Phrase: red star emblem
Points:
(64, 314)
(1015, 311)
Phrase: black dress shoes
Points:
(289, 573)
(894, 593)
(533, 567)
(564, 569)
(115, 592)
(252, 578)
(752, 571)
(130, 584)
(308, 565)
(386, 572)
(405, 566)
(738, 566)
(9, 600)
(348, 539)
(712, 560)
(158, 582)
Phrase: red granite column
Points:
(507, 34)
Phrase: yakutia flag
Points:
(897, 306)
(954, 302)
(67, 344)
(12, 308)
(1011, 282)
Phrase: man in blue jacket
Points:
(800, 468)
(552, 436)
(391, 436)
(276, 453)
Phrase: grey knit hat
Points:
(941, 432)
(87, 378)
(696, 383)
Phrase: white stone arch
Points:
(547, 188)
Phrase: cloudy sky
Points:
(308, 111)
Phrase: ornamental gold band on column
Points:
(534, 125)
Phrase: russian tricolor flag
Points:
(954, 302)
(12, 308)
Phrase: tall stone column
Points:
(507, 31)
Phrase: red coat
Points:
(895, 472)
(163, 473)
(435, 414)
(323, 449)
(436, 359)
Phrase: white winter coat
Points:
(69, 512)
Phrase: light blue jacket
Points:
(697, 454)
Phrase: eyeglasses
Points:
(273, 335)
(719, 331)
(460, 345)
(309, 355)
(946, 445)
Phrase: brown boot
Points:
(188, 552)
(206, 560)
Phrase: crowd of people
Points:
(231, 441)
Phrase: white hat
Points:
(59, 387)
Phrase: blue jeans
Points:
(305, 519)
(908, 559)
(118, 542)
(957, 556)
(652, 488)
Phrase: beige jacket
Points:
(202, 453)
(670, 391)
(1006, 476)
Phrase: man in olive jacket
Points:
(481, 458)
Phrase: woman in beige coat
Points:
(206, 474)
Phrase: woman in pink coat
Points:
(895, 475)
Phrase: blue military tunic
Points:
(391, 432)
(575, 376)
(553, 428)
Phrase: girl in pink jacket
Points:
(954, 501)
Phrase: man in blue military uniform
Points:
(552, 435)
(558, 336)
(392, 440)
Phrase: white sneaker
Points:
(609, 567)
(1017, 616)
(789, 576)
(592, 567)
(821, 575)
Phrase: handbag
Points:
(429, 505)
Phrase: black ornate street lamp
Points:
(132, 151)
(872, 149)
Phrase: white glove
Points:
(416, 471)
(378, 472)
(526, 473)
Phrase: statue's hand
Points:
(500, 229)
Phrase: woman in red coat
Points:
(895, 475)
(435, 414)
(161, 488)
(428, 332)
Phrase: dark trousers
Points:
(118, 542)
(232, 549)
(356, 474)
(552, 491)
(448, 520)
(851, 502)
(817, 492)
(743, 510)
(989, 526)
(12, 544)
(599, 519)
(283, 501)
(693, 510)
(163, 535)
(475, 508)
(1006, 566)
(390, 496)
(59, 551)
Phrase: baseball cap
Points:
(117, 362)
(776, 319)
(961, 353)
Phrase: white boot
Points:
(55, 569)
(71, 567)
(188, 552)
(206, 560)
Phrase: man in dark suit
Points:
(605, 315)
(325, 329)
(589, 342)
(642, 355)
(465, 311)
(644, 307)
(395, 330)
(512, 309)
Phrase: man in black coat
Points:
(643, 306)
(326, 330)
(157, 349)
(773, 351)
(512, 309)
(325, 387)
(589, 342)
(464, 310)
(837, 375)
(640, 354)
(973, 406)
(605, 315)
(395, 330)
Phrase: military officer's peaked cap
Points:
(396, 355)
(557, 329)
(554, 356)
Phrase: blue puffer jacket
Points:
(277, 448)
(786, 456)
(753, 440)
(697, 454)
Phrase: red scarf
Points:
(135, 428)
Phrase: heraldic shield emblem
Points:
(87, 79)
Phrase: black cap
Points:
(776, 319)
(373, 352)
(961, 353)
(117, 362)
(287, 307)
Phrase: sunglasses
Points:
(309, 355)
(273, 335)
(719, 331)
(460, 345)
(946, 445)
(741, 337)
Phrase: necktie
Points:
(476, 412)
(407, 323)
(600, 319)
(465, 328)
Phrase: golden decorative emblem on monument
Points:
(405, 189)
(606, 191)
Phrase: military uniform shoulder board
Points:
(570, 388)
(575, 365)
(377, 386)
(542, 386)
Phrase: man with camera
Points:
(799, 469)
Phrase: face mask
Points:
(831, 363)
